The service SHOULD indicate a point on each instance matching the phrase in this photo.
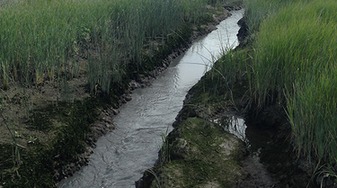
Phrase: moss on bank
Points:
(198, 153)
(41, 158)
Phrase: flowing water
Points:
(122, 156)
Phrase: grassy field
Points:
(42, 40)
(64, 63)
(292, 62)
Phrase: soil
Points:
(258, 176)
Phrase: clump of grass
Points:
(313, 116)
(36, 39)
(258, 10)
(297, 40)
(232, 66)
(294, 64)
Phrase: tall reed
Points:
(43, 38)
(258, 10)
(300, 38)
(313, 116)
(294, 65)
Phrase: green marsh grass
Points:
(232, 66)
(313, 116)
(258, 10)
(293, 63)
(42, 39)
(230, 71)
(297, 40)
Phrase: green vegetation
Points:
(43, 40)
(292, 62)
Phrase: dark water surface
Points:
(122, 156)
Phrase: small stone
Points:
(128, 98)
(115, 111)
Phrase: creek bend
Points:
(122, 156)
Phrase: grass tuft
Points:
(292, 62)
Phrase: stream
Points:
(122, 156)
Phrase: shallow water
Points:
(122, 156)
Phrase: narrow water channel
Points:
(122, 156)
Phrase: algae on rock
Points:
(202, 154)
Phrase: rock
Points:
(128, 97)
(134, 85)
(198, 154)
(243, 31)
(115, 111)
